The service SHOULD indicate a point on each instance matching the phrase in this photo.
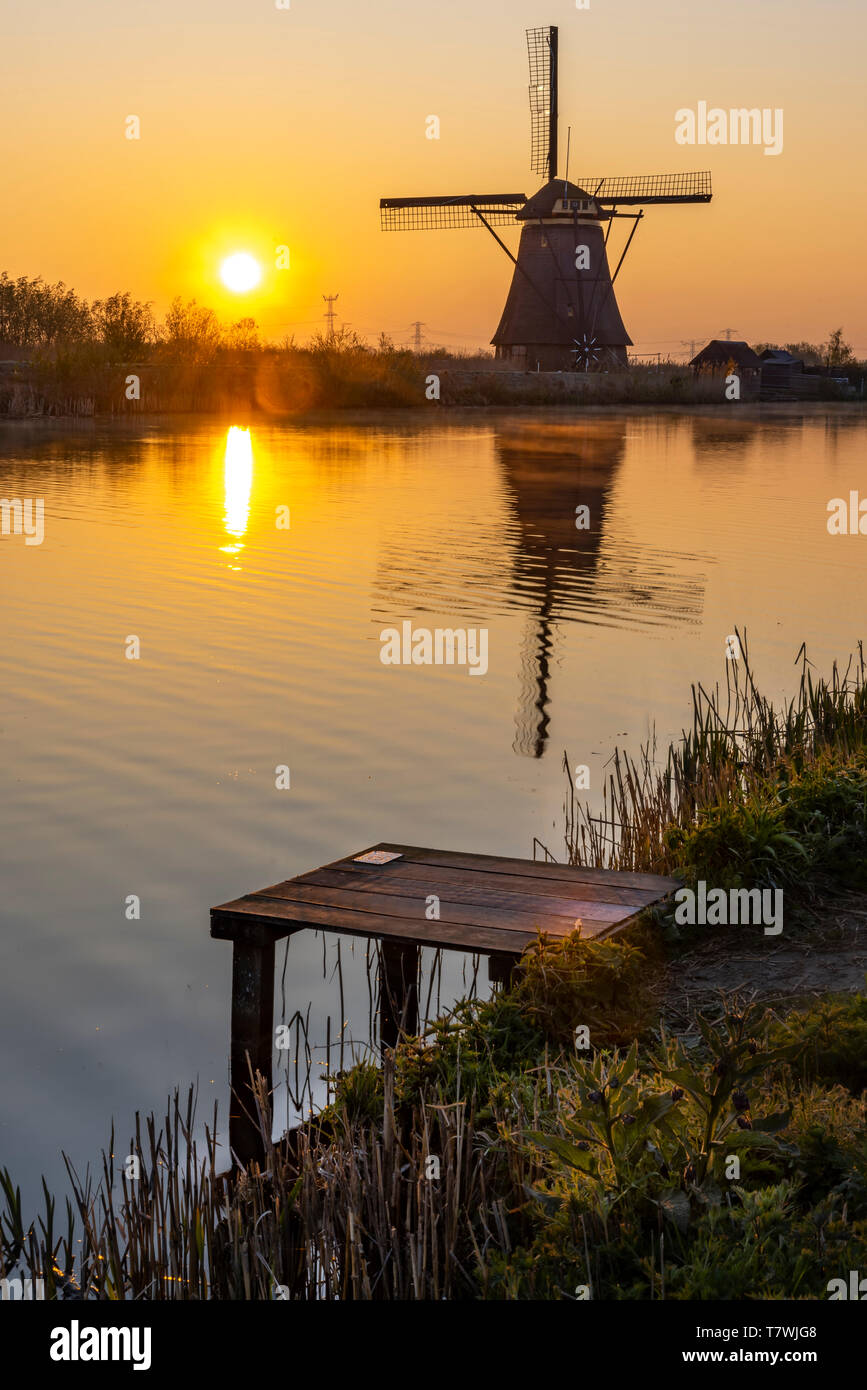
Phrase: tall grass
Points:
(90, 379)
(396, 1190)
(751, 787)
(640, 384)
(340, 1211)
(610, 1172)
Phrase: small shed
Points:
(782, 373)
(722, 357)
(720, 354)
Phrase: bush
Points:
(833, 1039)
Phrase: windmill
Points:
(561, 313)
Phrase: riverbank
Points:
(301, 382)
(603, 1128)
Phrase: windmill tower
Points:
(561, 313)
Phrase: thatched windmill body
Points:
(561, 312)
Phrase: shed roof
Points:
(720, 351)
(779, 355)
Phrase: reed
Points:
(640, 384)
(349, 1211)
(752, 790)
(567, 1174)
(90, 379)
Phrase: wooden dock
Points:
(479, 903)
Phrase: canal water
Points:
(257, 566)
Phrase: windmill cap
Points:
(542, 203)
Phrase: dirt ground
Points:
(823, 952)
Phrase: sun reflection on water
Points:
(238, 484)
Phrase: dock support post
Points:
(501, 968)
(252, 1037)
(398, 992)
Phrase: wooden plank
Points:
(410, 909)
(514, 911)
(466, 884)
(414, 925)
(345, 921)
(493, 863)
(239, 919)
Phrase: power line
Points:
(476, 337)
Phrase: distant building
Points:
(720, 353)
(783, 374)
(779, 356)
(723, 358)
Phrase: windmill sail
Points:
(542, 53)
(427, 214)
(649, 188)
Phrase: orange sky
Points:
(262, 127)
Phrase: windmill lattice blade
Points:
(539, 54)
(429, 214)
(648, 188)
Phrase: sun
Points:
(240, 272)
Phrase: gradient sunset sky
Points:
(263, 127)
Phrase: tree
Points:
(64, 317)
(809, 353)
(243, 336)
(836, 353)
(192, 330)
(343, 340)
(33, 314)
(124, 325)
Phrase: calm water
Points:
(260, 646)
